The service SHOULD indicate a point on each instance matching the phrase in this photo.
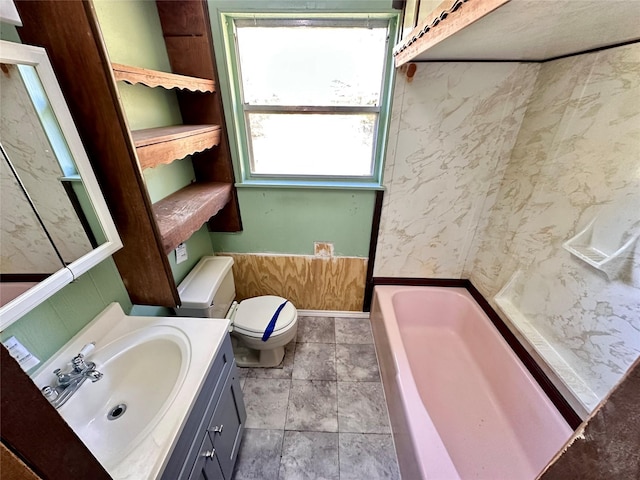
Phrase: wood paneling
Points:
(310, 283)
(13, 467)
(373, 245)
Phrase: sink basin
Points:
(153, 369)
(142, 373)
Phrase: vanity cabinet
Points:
(210, 439)
(70, 32)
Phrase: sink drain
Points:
(117, 411)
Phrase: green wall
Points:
(280, 220)
(9, 33)
(199, 244)
(46, 328)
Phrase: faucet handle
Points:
(78, 361)
(49, 393)
(84, 351)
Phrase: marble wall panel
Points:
(453, 127)
(578, 152)
(501, 219)
(34, 160)
(24, 245)
(310, 283)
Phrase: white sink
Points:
(142, 372)
(153, 368)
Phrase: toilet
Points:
(208, 291)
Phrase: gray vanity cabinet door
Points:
(208, 445)
(206, 466)
(227, 424)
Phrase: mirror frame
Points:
(18, 53)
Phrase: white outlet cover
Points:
(181, 253)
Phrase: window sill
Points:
(319, 184)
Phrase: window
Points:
(48, 119)
(311, 96)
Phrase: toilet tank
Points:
(208, 290)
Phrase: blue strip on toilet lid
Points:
(272, 323)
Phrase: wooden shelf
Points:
(182, 213)
(156, 146)
(153, 78)
(519, 30)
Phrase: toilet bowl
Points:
(260, 326)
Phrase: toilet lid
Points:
(254, 314)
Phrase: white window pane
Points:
(311, 65)
(48, 118)
(327, 145)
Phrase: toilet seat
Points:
(254, 314)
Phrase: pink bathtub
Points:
(461, 403)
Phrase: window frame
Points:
(236, 112)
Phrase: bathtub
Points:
(461, 404)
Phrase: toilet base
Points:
(249, 357)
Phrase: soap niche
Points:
(608, 241)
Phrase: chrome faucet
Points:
(69, 382)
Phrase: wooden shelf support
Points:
(154, 78)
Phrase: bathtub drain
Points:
(117, 411)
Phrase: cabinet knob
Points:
(209, 453)
(217, 429)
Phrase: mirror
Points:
(38, 170)
(54, 222)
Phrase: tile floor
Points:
(322, 415)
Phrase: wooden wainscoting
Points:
(13, 467)
(310, 283)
